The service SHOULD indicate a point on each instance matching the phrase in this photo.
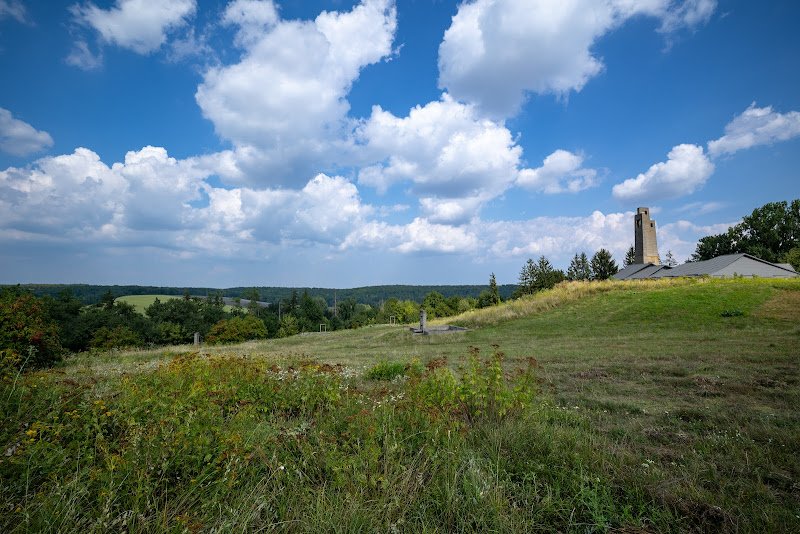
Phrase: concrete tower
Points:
(646, 247)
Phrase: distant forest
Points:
(372, 295)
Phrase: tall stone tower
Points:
(646, 247)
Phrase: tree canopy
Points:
(536, 276)
(769, 233)
(579, 268)
(603, 265)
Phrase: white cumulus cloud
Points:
(495, 52)
(420, 235)
(756, 126)
(562, 171)
(455, 159)
(138, 25)
(20, 138)
(687, 168)
(152, 199)
(73, 194)
(559, 238)
(284, 106)
(253, 17)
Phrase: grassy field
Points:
(141, 302)
(663, 406)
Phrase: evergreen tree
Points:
(603, 265)
(669, 259)
(527, 278)
(630, 257)
(494, 293)
(538, 276)
(579, 268)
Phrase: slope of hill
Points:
(658, 406)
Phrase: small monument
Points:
(646, 248)
(423, 326)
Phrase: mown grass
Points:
(141, 302)
(623, 406)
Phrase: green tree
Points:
(107, 300)
(579, 268)
(669, 259)
(527, 278)
(64, 311)
(253, 297)
(538, 276)
(768, 232)
(630, 257)
(27, 331)
(436, 305)
(288, 326)
(603, 265)
(494, 292)
(792, 258)
(311, 313)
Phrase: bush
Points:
(237, 330)
(386, 370)
(119, 337)
(483, 392)
(26, 330)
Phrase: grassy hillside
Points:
(651, 406)
(141, 302)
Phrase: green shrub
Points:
(26, 330)
(119, 337)
(386, 370)
(483, 392)
(237, 330)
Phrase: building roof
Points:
(639, 271)
(712, 266)
(648, 272)
(627, 272)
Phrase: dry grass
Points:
(563, 293)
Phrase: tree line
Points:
(539, 275)
(371, 295)
(771, 232)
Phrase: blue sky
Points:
(348, 143)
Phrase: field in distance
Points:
(141, 302)
(650, 406)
